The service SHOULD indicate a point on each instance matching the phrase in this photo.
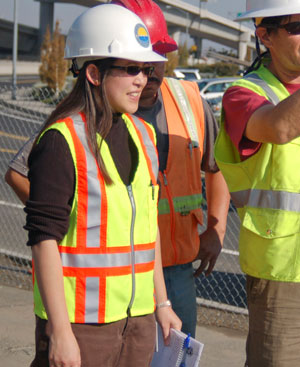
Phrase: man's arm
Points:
(16, 175)
(19, 183)
(211, 240)
(275, 124)
(217, 196)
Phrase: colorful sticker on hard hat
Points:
(142, 35)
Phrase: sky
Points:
(28, 10)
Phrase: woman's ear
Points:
(93, 74)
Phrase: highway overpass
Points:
(180, 16)
(28, 45)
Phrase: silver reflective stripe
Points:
(105, 260)
(283, 200)
(185, 108)
(254, 78)
(92, 296)
(150, 148)
(94, 190)
(133, 254)
(181, 204)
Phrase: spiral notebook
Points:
(183, 350)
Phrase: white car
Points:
(187, 74)
(214, 87)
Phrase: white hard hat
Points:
(269, 8)
(109, 30)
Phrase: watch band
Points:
(167, 303)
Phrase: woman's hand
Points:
(167, 319)
(63, 349)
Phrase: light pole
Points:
(15, 52)
(186, 21)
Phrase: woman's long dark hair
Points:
(270, 23)
(92, 100)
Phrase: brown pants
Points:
(126, 343)
(274, 323)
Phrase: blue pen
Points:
(186, 350)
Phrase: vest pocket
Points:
(271, 223)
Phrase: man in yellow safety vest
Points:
(258, 151)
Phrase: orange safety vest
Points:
(108, 252)
(180, 184)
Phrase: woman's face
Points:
(123, 91)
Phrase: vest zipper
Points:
(172, 216)
(191, 147)
(132, 202)
(153, 191)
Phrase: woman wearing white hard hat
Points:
(92, 210)
(258, 152)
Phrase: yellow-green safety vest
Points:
(265, 189)
(108, 252)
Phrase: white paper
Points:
(173, 354)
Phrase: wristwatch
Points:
(167, 303)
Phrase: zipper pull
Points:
(191, 147)
(152, 186)
(165, 178)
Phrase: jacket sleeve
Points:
(52, 179)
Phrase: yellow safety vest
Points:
(265, 189)
(108, 252)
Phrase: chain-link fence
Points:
(221, 296)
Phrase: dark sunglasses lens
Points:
(135, 70)
(148, 70)
(293, 28)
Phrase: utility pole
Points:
(15, 52)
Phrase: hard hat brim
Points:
(165, 46)
(145, 56)
(265, 13)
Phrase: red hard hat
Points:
(153, 17)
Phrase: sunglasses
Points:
(291, 28)
(134, 70)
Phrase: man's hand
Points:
(210, 248)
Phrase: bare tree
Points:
(54, 68)
(172, 63)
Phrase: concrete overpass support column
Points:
(46, 18)
(176, 37)
(243, 43)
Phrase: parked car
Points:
(214, 87)
(216, 106)
(187, 74)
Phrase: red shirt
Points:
(239, 104)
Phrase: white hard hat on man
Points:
(269, 8)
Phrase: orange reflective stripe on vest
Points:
(149, 146)
(91, 209)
